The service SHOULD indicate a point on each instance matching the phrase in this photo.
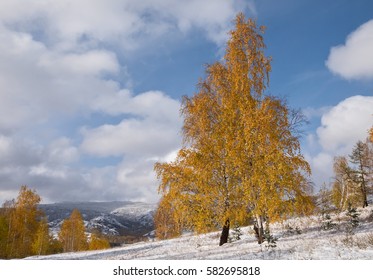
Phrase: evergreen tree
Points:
(353, 216)
(271, 240)
(72, 234)
(241, 154)
(237, 233)
(327, 222)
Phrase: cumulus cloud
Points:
(151, 130)
(354, 59)
(341, 127)
(66, 23)
(37, 83)
(346, 123)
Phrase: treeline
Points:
(24, 230)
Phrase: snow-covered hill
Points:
(111, 218)
(298, 238)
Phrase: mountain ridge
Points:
(115, 218)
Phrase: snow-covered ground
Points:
(312, 242)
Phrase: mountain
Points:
(116, 218)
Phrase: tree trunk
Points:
(364, 193)
(259, 231)
(225, 233)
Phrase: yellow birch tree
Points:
(241, 155)
(42, 239)
(72, 234)
(23, 223)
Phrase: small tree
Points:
(98, 242)
(344, 188)
(72, 233)
(42, 239)
(353, 216)
(324, 200)
(271, 240)
(327, 222)
(23, 220)
(236, 232)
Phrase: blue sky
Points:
(90, 90)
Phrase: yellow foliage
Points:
(41, 243)
(23, 216)
(98, 242)
(72, 233)
(241, 155)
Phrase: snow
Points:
(111, 218)
(312, 243)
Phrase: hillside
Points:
(111, 218)
(310, 242)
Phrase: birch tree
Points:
(241, 157)
(72, 233)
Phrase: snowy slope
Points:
(112, 218)
(312, 243)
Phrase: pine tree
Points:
(241, 155)
(72, 234)
(327, 222)
(237, 233)
(353, 216)
(271, 240)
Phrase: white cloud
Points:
(69, 22)
(92, 62)
(5, 143)
(152, 130)
(44, 171)
(62, 151)
(322, 168)
(153, 104)
(37, 83)
(354, 59)
(310, 112)
(346, 123)
(131, 136)
(341, 127)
